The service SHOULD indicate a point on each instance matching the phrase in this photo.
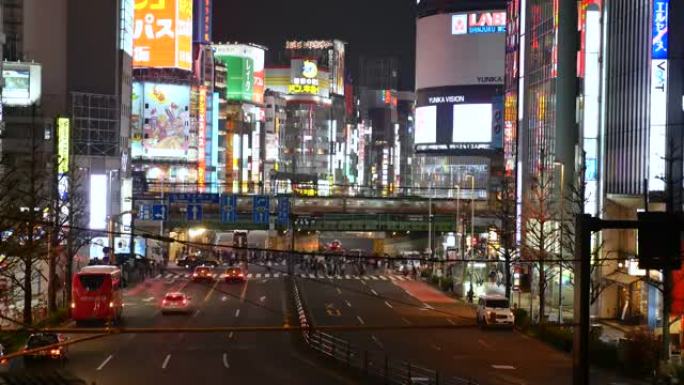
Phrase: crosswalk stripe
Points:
(312, 276)
(267, 275)
(374, 277)
(382, 277)
(347, 276)
(276, 275)
(392, 278)
(357, 277)
(365, 277)
(250, 275)
(302, 275)
(258, 275)
(169, 275)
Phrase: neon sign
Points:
(659, 29)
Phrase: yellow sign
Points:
(303, 89)
(63, 126)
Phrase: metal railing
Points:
(377, 364)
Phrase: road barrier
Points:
(377, 364)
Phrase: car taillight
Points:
(111, 304)
(185, 302)
(194, 274)
(164, 302)
(55, 352)
(73, 305)
(241, 275)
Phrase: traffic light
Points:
(659, 241)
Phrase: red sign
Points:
(201, 134)
(487, 19)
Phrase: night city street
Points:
(396, 192)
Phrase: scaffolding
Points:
(95, 124)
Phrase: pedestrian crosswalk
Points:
(265, 275)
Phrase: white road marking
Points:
(428, 306)
(374, 292)
(166, 361)
(250, 275)
(406, 321)
(211, 291)
(237, 313)
(196, 314)
(377, 341)
(105, 362)
(392, 278)
(503, 367)
(382, 277)
(347, 276)
(363, 282)
(169, 275)
(389, 305)
(365, 277)
(263, 298)
(258, 275)
(348, 303)
(311, 275)
(225, 361)
(148, 299)
(339, 291)
(360, 319)
(436, 347)
(230, 335)
(451, 321)
(224, 298)
(158, 276)
(484, 344)
(276, 275)
(374, 277)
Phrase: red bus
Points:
(96, 294)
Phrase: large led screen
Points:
(22, 83)
(472, 123)
(460, 49)
(459, 120)
(164, 119)
(426, 124)
(162, 34)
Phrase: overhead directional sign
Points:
(145, 212)
(261, 208)
(193, 198)
(194, 212)
(228, 208)
(159, 212)
(283, 210)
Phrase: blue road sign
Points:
(261, 208)
(284, 210)
(194, 212)
(159, 212)
(228, 208)
(145, 212)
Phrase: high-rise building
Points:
(313, 154)
(459, 97)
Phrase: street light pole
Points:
(560, 264)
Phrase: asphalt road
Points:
(219, 358)
(491, 357)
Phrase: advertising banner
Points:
(162, 34)
(63, 145)
(202, 12)
(201, 135)
(166, 121)
(22, 83)
(246, 71)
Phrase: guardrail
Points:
(374, 363)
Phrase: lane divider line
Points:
(166, 361)
(348, 303)
(105, 362)
(389, 305)
(225, 361)
(237, 313)
(360, 320)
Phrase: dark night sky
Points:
(369, 27)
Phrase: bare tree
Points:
(542, 230)
(506, 215)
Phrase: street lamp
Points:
(560, 264)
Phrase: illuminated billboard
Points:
(162, 34)
(202, 12)
(478, 22)
(456, 50)
(459, 119)
(245, 66)
(659, 87)
(304, 77)
(160, 121)
(63, 145)
(22, 84)
(201, 135)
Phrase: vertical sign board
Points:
(260, 209)
(201, 135)
(63, 127)
(228, 208)
(659, 74)
(284, 211)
